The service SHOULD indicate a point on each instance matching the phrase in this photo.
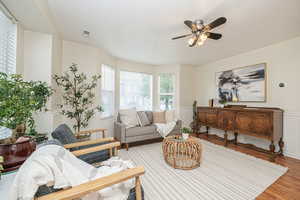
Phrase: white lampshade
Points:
(203, 36)
(200, 42)
(191, 40)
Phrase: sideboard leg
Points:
(207, 130)
(235, 138)
(281, 145)
(272, 150)
(226, 138)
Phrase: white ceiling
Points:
(141, 30)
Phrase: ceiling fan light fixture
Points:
(203, 36)
(86, 34)
(191, 40)
(200, 42)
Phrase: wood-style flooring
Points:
(286, 187)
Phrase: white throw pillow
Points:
(170, 116)
(129, 117)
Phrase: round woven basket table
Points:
(182, 154)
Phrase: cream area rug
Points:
(223, 174)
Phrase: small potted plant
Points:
(185, 132)
(222, 102)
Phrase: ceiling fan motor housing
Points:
(199, 24)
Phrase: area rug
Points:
(223, 174)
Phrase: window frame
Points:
(112, 114)
(137, 72)
(159, 93)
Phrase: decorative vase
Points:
(185, 136)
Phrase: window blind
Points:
(8, 49)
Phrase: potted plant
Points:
(78, 96)
(222, 102)
(19, 101)
(185, 132)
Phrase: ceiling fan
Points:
(201, 32)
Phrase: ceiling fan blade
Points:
(195, 41)
(214, 36)
(216, 23)
(191, 25)
(182, 36)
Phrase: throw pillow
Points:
(159, 117)
(143, 119)
(149, 116)
(170, 116)
(128, 117)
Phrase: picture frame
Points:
(243, 84)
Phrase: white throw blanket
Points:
(53, 165)
(165, 129)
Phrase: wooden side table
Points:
(182, 154)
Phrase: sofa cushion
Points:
(129, 117)
(64, 134)
(143, 119)
(149, 116)
(134, 131)
(159, 117)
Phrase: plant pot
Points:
(15, 154)
(185, 136)
(40, 138)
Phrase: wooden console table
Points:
(260, 122)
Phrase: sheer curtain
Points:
(8, 46)
(135, 90)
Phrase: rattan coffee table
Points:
(182, 154)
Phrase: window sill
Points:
(107, 117)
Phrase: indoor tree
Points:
(77, 96)
(20, 100)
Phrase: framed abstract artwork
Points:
(245, 84)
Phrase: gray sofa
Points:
(136, 134)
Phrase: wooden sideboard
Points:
(260, 122)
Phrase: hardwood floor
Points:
(286, 187)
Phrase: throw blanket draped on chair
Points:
(53, 165)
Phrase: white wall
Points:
(187, 92)
(283, 65)
(37, 64)
(56, 69)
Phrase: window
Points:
(135, 90)
(107, 90)
(166, 91)
(8, 44)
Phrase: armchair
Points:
(91, 151)
(47, 193)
